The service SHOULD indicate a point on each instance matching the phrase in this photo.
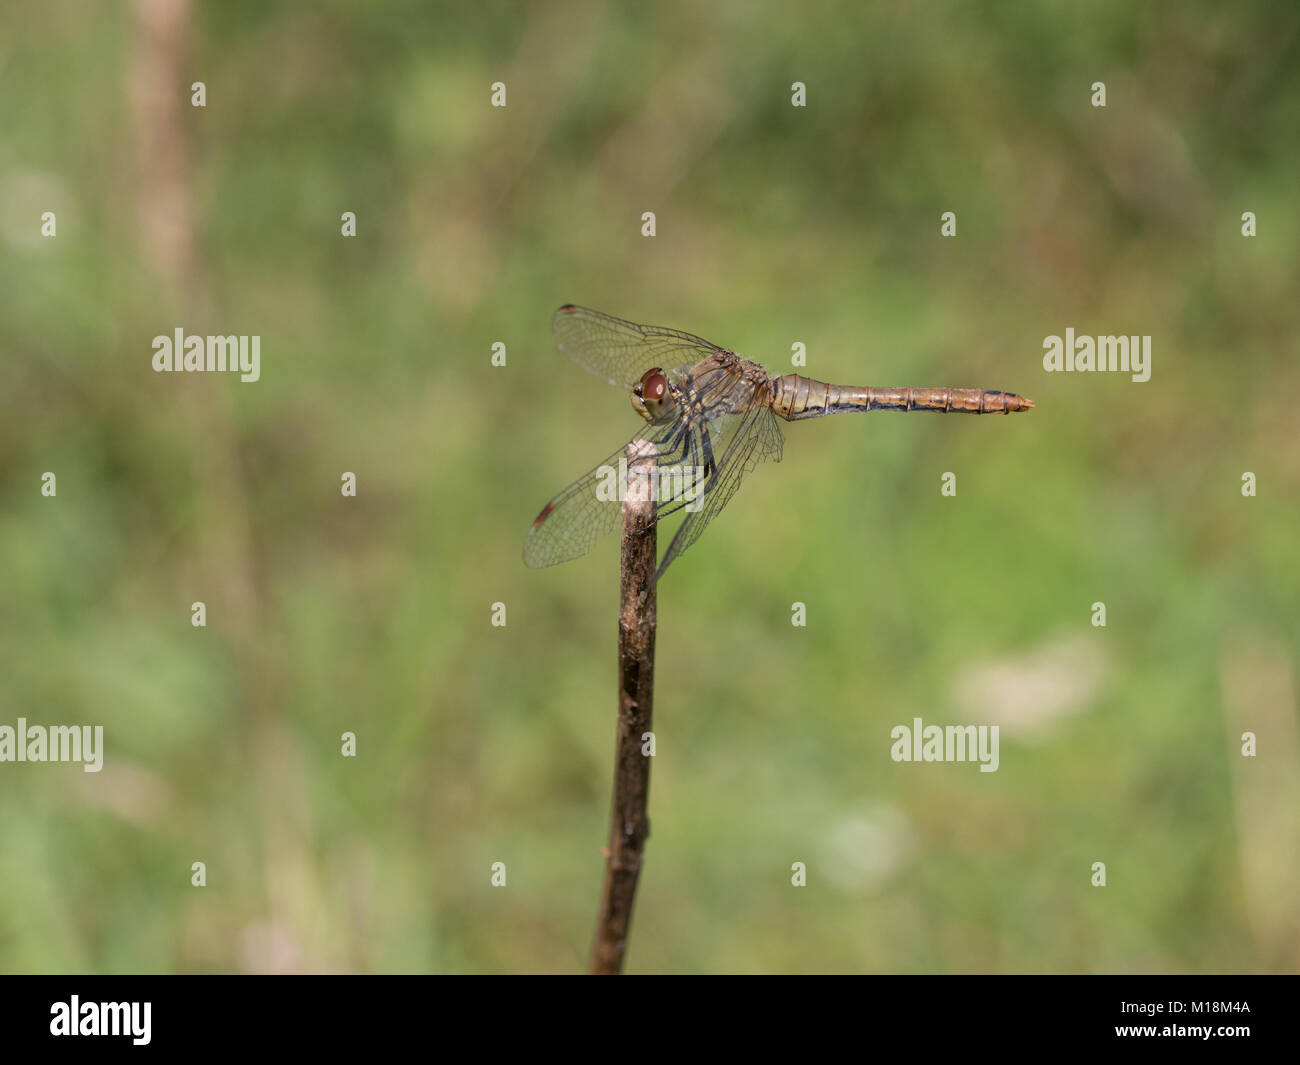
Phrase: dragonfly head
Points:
(652, 396)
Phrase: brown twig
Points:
(629, 822)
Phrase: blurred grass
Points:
(775, 224)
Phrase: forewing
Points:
(571, 522)
(621, 351)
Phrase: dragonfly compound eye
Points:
(654, 385)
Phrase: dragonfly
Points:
(711, 416)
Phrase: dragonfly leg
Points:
(708, 457)
(674, 449)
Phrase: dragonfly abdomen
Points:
(795, 397)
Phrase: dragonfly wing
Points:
(622, 351)
(571, 523)
(739, 443)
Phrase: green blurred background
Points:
(775, 225)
